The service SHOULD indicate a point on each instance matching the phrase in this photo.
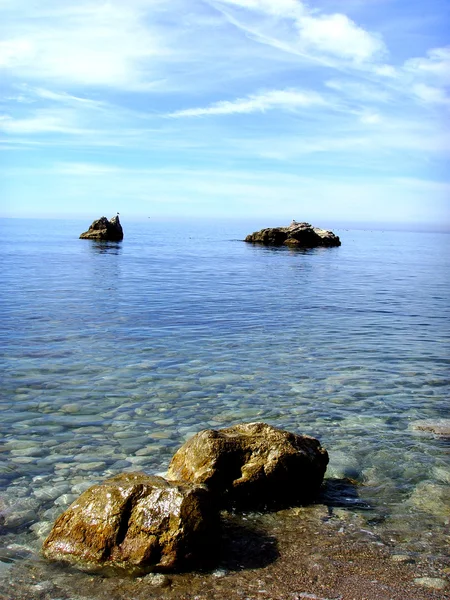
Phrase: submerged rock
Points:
(103, 229)
(432, 498)
(440, 427)
(136, 522)
(301, 235)
(252, 464)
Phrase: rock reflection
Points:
(104, 247)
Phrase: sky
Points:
(326, 111)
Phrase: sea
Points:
(113, 354)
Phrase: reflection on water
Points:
(105, 247)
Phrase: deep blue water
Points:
(113, 354)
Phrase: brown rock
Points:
(252, 464)
(105, 230)
(135, 522)
(296, 235)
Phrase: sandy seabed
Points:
(306, 553)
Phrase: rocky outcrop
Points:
(301, 235)
(140, 523)
(137, 522)
(252, 465)
(103, 229)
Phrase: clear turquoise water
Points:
(112, 355)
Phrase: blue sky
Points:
(327, 111)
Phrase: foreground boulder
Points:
(137, 522)
(103, 229)
(252, 465)
(301, 235)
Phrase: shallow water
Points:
(114, 354)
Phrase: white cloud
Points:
(102, 44)
(371, 118)
(63, 97)
(428, 77)
(319, 33)
(274, 99)
(436, 65)
(430, 94)
(385, 70)
(15, 52)
(338, 35)
(43, 121)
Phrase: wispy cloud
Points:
(269, 100)
(431, 94)
(436, 65)
(43, 121)
(309, 32)
(106, 44)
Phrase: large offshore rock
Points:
(301, 235)
(103, 229)
(252, 464)
(136, 522)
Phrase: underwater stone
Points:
(432, 498)
(439, 427)
(434, 583)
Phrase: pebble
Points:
(80, 487)
(434, 583)
(439, 427)
(51, 492)
(41, 529)
(219, 573)
(52, 513)
(92, 466)
(442, 474)
(343, 464)
(402, 558)
(164, 421)
(4, 568)
(160, 435)
(70, 408)
(65, 499)
(156, 580)
(29, 451)
(139, 460)
(148, 450)
(22, 460)
(432, 498)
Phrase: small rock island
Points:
(300, 235)
(105, 230)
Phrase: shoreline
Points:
(299, 553)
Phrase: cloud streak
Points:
(261, 102)
(311, 32)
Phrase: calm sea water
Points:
(113, 354)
